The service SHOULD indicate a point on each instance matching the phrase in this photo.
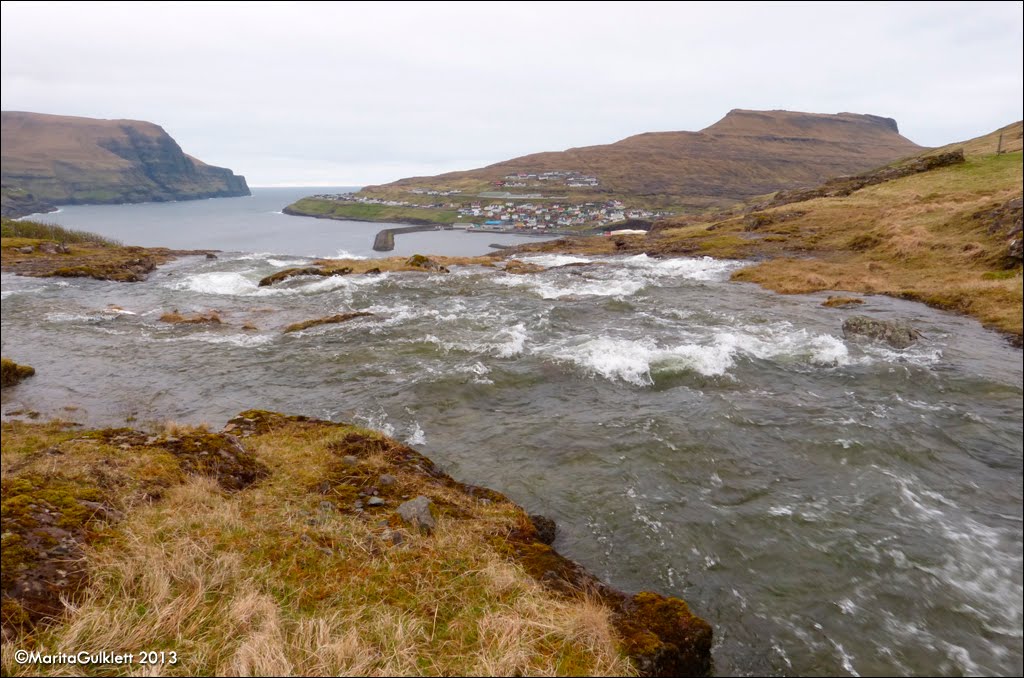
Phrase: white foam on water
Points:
(981, 562)
(397, 314)
(690, 268)
(218, 282)
(514, 340)
(258, 256)
(549, 260)
(919, 355)
(416, 435)
(59, 317)
(634, 360)
(345, 254)
(507, 342)
(581, 287)
(377, 421)
(614, 359)
(226, 283)
(242, 340)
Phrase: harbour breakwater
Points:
(385, 240)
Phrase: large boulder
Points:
(416, 513)
(897, 333)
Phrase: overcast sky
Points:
(357, 93)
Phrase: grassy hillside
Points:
(51, 159)
(949, 237)
(747, 153)
(278, 548)
(329, 209)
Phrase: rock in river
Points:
(898, 333)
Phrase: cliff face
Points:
(49, 160)
(745, 154)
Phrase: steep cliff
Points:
(51, 159)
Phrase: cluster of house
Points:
(431, 191)
(542, 216)
(511, 215)
(352, 197)
(569, 178)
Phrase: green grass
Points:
(38, 230)
(365, 212)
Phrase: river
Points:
(831, 507)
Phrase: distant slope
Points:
(1005, 139)
(52, 159)
(746, 153)
(946, 232)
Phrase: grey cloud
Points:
(368, 92)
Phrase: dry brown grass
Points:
(267, 581)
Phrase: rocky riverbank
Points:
(329, 547)
(45, 251)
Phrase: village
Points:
(523, 211)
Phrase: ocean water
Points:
(832, 507)
(256, 224)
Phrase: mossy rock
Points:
(420, 261)
(288, 273)
(663, 638)
(518, 267)
(329, 320)
(11, 373)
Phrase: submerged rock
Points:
(835, 302)
(897, 333)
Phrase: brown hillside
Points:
(55, 159)
(744, 154)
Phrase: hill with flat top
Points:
(745, 154)
(50, 160)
